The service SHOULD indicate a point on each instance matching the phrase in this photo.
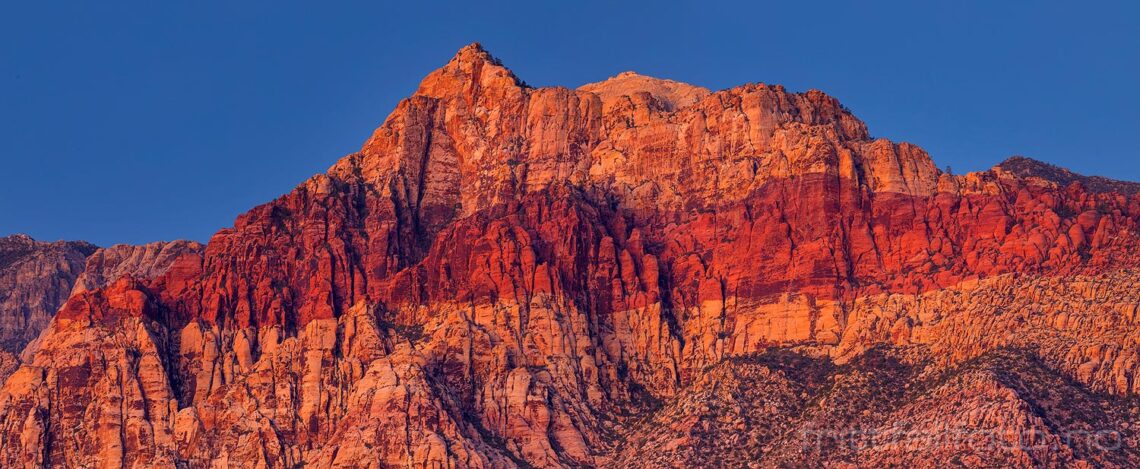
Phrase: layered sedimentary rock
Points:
(35, 279)
(507, 276)
(145, 261)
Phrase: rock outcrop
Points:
(507, 276)
(888, 408)
(1044, 173)
(35, 279)
(143, 262)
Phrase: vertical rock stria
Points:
(35, 280)
(638, 272)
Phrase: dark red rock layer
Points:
(507, 276)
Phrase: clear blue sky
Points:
(148, 121)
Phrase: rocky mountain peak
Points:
(1042, 173)
(474, 135)
(673, 94)
(17, 238)
(14, 247)
(472, 70)
(508, 276)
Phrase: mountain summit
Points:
(635, 273)
(671, 95)
(1042, 172)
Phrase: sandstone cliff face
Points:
(506, 276)
(145, 262)
(35, 280)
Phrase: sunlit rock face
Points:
(36, 278)
(144, 261)
(638, 273)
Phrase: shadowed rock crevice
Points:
(636, 272)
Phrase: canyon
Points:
(635, 273)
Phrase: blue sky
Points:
(147, 121)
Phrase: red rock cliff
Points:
(507, 276)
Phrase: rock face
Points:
(638, 272)
(144, 262)
(887, 408)
(35, 280)
(1047, 174)
(668, 94)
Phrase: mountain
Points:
(635, 273)
(36, 278)
(1045, 173)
